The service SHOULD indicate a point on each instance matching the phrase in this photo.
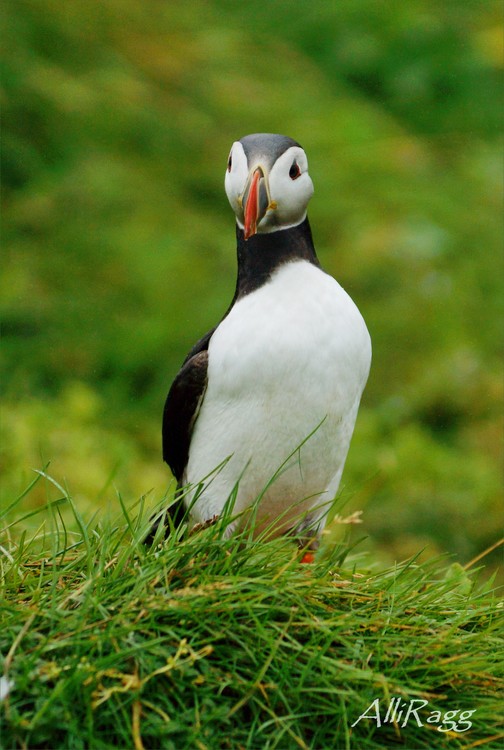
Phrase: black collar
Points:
(262, 254)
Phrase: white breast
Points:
(290, 359)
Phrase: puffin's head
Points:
(267, 183)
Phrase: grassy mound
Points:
(204, 642)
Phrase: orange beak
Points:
(252, 209)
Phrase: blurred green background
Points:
(119, 242)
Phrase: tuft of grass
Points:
(206, 642)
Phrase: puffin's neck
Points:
(261, 254)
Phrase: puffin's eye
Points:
(294, 171)
(230, 162)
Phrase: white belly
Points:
(286, 371)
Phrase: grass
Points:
(204, 642)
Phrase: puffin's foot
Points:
(308, 557)
(308, 546)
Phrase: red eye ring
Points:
(294, 171)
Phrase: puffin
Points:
(258, 421)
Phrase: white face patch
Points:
(290, 186)
(236, 177)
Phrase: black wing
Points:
(182, 406)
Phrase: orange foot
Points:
(308, 557)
